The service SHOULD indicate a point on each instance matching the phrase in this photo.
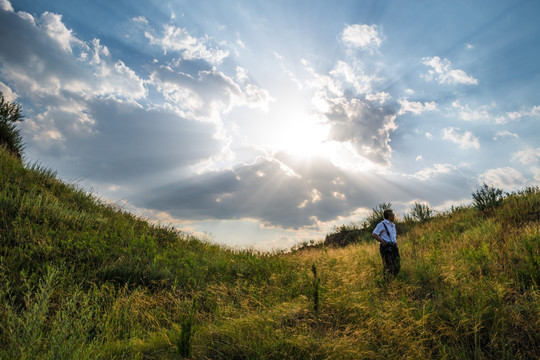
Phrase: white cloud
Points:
(465, 140)
(465, 112)
(6, 5)
(516, 115)
(51, 61)
(209, 94)
(365, 127)
(361, 36)
(505, 133)
(178, 39)
(54, 27)
(536, 173)
(140, 19)
(416, 107)
(506, 178)
(358, 79)
(346, 75)
(353, 110)
(443, 73)
(9, 94)
(431, 172)
(527, 156)
(241, 74)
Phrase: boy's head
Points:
(389, 214)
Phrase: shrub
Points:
(344, 235)
(487, 198)
(421, 212)
(10, 137)
(377, 215)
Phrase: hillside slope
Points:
(80, 279)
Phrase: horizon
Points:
(266, 125)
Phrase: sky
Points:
(265, 124)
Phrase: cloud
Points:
(6, 5)
(516, 115)
(140, 19)
(208, 94)
(129, 145)
(289, 193)
(83, 115)
(536, 173)
(365, 127)
(416, 107)
(487, 112)
(465, 140)
(175, 39)
(527, 156)
(361, 36)
(505, 133)
(443, 73)
(265, 190)
(8, 94)
(465, 112)
(53, 26)
(431, 172)
(354, 111)
(46, 62)
(347, 76)
(506, 178)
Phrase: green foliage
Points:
(184, 345)
(10, 137)
(345, 235)
(377, 215)
(487, 198)
(83, 280)
(421, 212)
(316, 282)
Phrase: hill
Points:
(83, 279)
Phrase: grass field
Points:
(80, 279)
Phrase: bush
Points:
(377, 215)
(10, 137)
(421, 212)
(487, 198)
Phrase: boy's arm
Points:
(379, 239)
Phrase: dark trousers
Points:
(390, 258)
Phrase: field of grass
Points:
(83, 280)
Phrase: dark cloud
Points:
(279, 191)
(289, 193)
(365, 126)
(129, 144)
(29, 54)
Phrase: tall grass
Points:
(81, 279)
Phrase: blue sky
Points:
(266, 123)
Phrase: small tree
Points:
(10, 137)
(421, 212)
(487, 198)
(376, 215)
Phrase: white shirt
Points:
(381, 231)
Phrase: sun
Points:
(306, 136)
(292, 126)
(302, 134)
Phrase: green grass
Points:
(80, 279)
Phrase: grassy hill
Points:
(83, 280)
